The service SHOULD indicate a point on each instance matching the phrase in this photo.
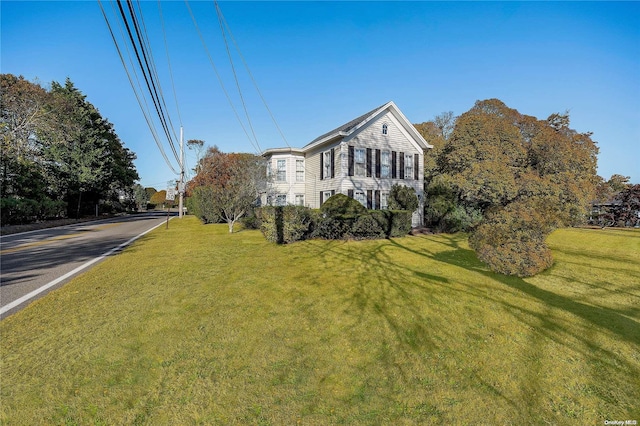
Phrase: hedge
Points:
(287, 224)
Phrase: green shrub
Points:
(330, 228)
(367, 227)
(340, 205)
(403, 198)
(16, 210)
(296, 223)
(251, 221)
(511, 241)
(285, 224)
(460, 219)
(393, 223)
(267, 217)
(400, 224)
(201, 204)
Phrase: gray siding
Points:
(395, 140)
(313, 183)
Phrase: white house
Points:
(362, 159)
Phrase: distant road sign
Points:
(171, 194)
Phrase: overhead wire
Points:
(166, 48)
(140, 103)
(235, 76)
(154, 69)
(224, 90)
(255, 84)
(253, 80)
(146, 72)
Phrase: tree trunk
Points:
(230, 223)
(79, 200)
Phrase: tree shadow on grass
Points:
(604, 363)
(625, 328)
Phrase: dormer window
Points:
(384, 129)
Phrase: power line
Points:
(224, 90)
(255, 84)
(166, 48)
(146, 70)
(144, 113)
(235, 76)
(153, 67)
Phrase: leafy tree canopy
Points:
(56, 141)
(496, 159)
(233, 181)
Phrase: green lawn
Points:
(192, 325)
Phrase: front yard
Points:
(193, 325)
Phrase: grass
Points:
(192, 325)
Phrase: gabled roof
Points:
(355, 124)
(345, 128)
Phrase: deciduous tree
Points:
(495, 163)
(234, 182)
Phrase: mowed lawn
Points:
(193, 325)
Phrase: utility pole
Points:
(181, 182)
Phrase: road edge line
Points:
(85, 265)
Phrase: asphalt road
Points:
(40, 261)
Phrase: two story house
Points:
(362, 159)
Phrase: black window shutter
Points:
(377, 163)
(369, 199)
(416, 164)
(394, 169)
(377, 198)
(351, 160)
(368, 165)
(321, 195)
(333, 192)
(321, 168)
(402, 165)
(333, 163)
(350, 193)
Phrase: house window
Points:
(327, 164)
(360, 197)
(385, 159)
(281, 200)
(408, 166)
(269, 169)
(360, 160)
(384, 200)
(326, 195)
(281, 175)
(299, 170)
(385, 129)
(299, 199)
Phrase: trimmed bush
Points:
(342, 205)
(296, 223)
(285, 224)
(201, 204)
(331, 228)
(367, 227)
(400, 223)
(394, 223)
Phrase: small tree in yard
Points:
(233, 183)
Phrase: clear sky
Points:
(321, 64)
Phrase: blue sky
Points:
(320, 64)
